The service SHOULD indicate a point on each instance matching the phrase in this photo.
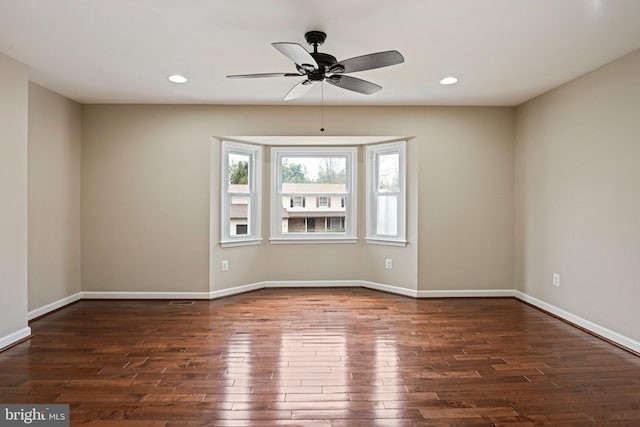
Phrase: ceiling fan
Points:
(317, 67)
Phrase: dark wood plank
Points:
(321, 357)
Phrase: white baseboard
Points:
(389, 288)
(284, 284)
(236, 290)
(312, 283)
(54, 306)
(14, 337)
(583, 323)
(495, 293)
(339, 284)
(144, 295)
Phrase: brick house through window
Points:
(301, 214)
(321, 209)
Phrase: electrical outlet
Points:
(225, 265)
(388, 263)
(556, 279)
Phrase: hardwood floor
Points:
(321, 357)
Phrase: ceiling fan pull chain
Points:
(322, 106)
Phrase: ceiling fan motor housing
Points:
(324, 61)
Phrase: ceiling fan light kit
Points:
(318, 67)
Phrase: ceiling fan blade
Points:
(368, 62)
(297, 54)
(354, 84)
(299, 90)
(253, 76)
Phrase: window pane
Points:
(388, 172)
(297, 202)
(311, 214)
(239, 215)
(239, 173)
(387, 215)
(314, 193)
(317, 178)
(240, 193)
(317, 170)
(386, 193)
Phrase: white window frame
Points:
(320, 201)
(350, 196)
(372, 153)
(254, 220)
(298, 201)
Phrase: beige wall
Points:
(466, 199)
(55, 125)
(145, 198)
(13, 196)
(578, 196)
(145, 184)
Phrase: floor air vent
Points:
(182, 303)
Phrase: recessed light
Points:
(450, 80)
(177, 78)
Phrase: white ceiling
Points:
(504, 51)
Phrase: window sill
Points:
(383, 242)
(233, 243)
(312, 241)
